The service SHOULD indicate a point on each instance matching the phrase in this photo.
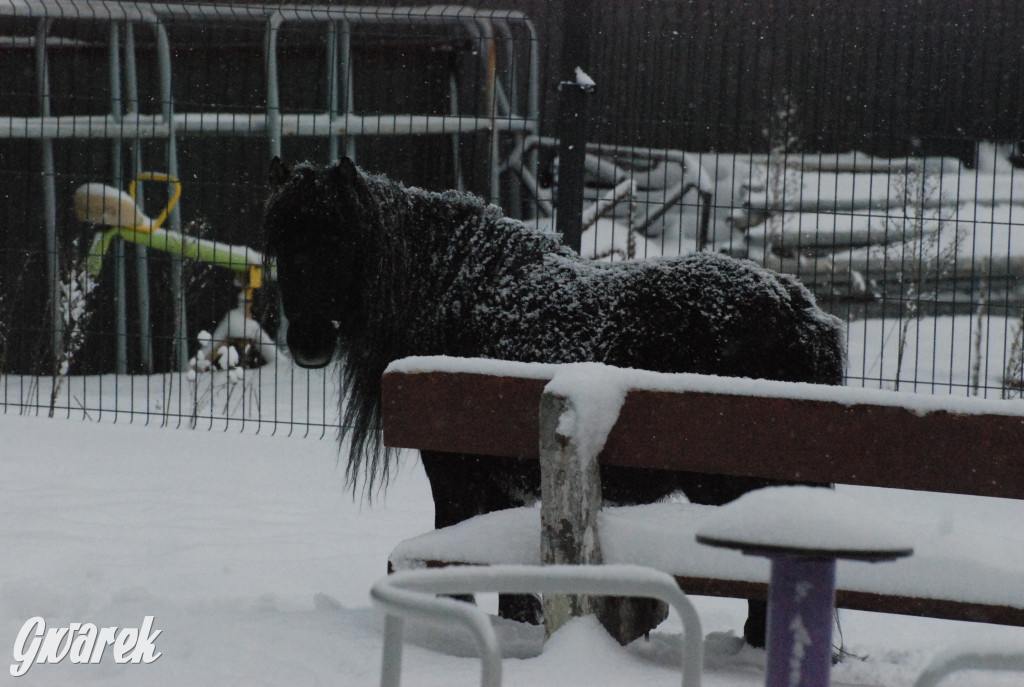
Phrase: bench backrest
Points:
(775, 430)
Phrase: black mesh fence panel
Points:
(872, 149)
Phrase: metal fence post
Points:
(53, 274)
(573, 115)
(572, 136)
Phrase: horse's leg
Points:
(464, 486)
(717, 490)
(451, 503)
(457, 497)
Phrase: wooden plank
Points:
(867, 601)
(777, 438)
(819, 441)
(930, 608)
(853, 600)
(462, 413)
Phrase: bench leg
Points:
(755, 629)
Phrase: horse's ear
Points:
(344, 172)
(279, 173)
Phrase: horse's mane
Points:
(437, 249)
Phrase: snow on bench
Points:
(776, 430)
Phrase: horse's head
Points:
(312, 220)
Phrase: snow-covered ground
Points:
(941, 355)
(256, 563)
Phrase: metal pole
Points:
(332, 89)
(573, 116)
(533, 106)
(572, 136)
(274, 128)
(49, 197)
(391, 669)
(141, 252)
(801, 602)
(120, 276)
(456, 139)
(489, 52)
(273, 91)
(346, 85)
(511, 102)
(180, 345)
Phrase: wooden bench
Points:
(776, 430)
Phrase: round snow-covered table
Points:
(804, 531)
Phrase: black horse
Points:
(372, 271)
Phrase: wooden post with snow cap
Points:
(578, 409)
(570, 492)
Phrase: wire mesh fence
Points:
(872, 149)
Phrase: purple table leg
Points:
(802, 590)
(801, 604)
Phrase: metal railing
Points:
(989, 659)
(412, 594)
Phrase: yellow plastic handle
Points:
(175, 195)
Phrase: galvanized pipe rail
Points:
(412, 594)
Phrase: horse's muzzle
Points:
(312, 341)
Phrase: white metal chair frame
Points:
(983, 659)
(413, 594)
